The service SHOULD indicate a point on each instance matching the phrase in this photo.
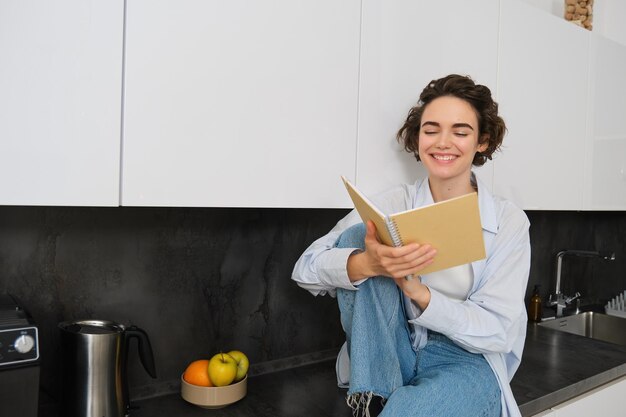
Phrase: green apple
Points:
(222, 369)
(242, 364)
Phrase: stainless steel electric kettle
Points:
(95, 353)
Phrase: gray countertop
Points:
(556, 366)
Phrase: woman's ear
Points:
(483, 143)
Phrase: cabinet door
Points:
(547, 413)
(542, 88)
(607, 110)
(60, 101)
(240, 103)
(608, 19)
(608, 400)
(406, 44)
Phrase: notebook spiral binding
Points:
(395, 238)
(393, 231)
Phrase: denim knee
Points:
(352, 237)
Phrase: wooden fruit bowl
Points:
(213, 397)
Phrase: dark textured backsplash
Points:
(196, 280)
(597, 280)
(201, 280)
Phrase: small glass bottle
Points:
(534, 306)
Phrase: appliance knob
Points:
(24, 343)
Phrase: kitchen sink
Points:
(593, 325)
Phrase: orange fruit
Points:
(197, 373)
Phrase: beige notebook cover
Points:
(452, 227)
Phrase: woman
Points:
(449, 342)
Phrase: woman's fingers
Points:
(403, 261)
(402, 270)
(414, 253)
(396, 262)
(413, 270)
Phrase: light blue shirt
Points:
(492, 321)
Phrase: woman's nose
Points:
(443, 141)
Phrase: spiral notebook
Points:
(452, 227)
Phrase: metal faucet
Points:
(560, 300)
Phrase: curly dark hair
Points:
(491, 127)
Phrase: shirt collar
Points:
(486, 204)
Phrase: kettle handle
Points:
(145, 349)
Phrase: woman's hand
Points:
(415, 290)
(380, 259)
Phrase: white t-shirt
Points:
(455, 283)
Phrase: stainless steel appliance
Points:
(94, 367)
(19, 360)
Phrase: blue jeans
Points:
(441, 379)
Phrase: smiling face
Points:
(448, 141)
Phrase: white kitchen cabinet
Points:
(240, 103)
(607, 400)
(405, 44)
(547, 413)
(608, 19)
(542, 89)
(607, 138)
(60, 101)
